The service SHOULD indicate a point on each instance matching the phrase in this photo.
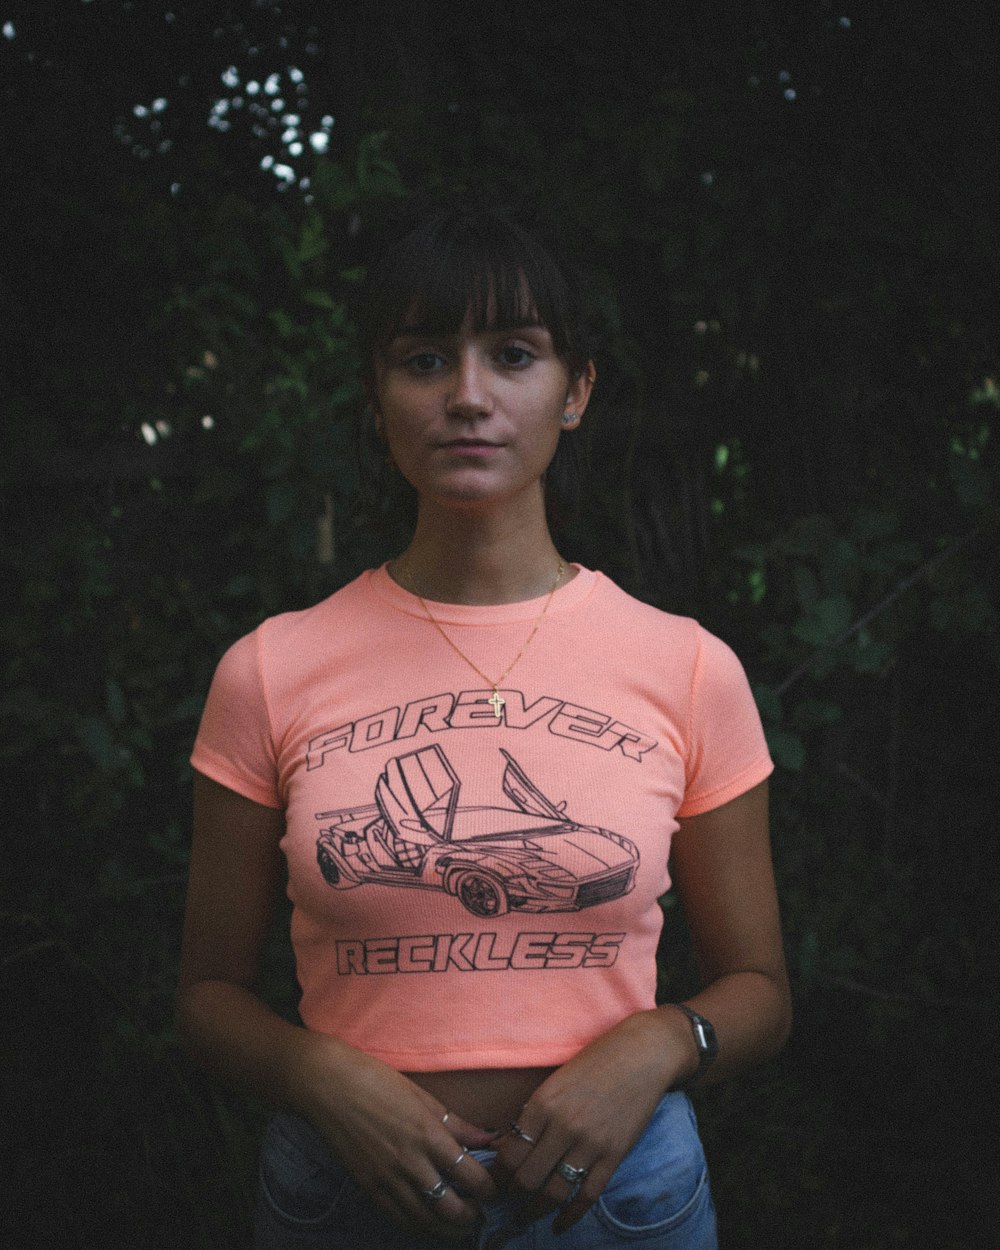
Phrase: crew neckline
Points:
(565, 597)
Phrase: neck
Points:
(478, 561)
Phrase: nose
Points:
(470, 394)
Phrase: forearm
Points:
(751, 1014)
(388, 1132)
(235, 1036)
(591, 1110)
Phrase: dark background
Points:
(787, 215)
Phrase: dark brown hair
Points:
(463, 257)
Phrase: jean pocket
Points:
(661, 1186)
(300, 1180)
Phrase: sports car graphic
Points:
(529, 857)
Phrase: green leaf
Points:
(870, 657)
(768, 703)
(185, 709)
(283, 323)
(810, 713)
(312, 239)
(290, 256)
(332, 185)
(787, 748)
(806, 586)
(840, 556)
(320, 299)
(97, 740)
(344, 393)
(829, 617)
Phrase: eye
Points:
(514, 356)
(424, 362)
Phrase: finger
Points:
(584, 1197)
(520, 1134)
(513, 1147)
(533, 1164)
(466, 1174)
(470, 1135)
(465, 1134)
(557, 1190)
(568, 1186)
(436, 1208)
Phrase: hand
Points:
(396, 1139)
(589, 1113)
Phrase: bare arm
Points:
(592, 1110)
(721, 864)
(387, 1130)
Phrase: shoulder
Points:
(297, 634)
(289, 642)
(642, 622)
(699, 666)
(337, 610)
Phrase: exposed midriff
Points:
(490, 1098)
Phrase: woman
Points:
(477, 760)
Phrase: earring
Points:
(568, 418)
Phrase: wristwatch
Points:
(705, 1040)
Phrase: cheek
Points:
(401, 423)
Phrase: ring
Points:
(569, 1173)
(444, 1118)
(458, 1160)
(515, 1130)
(437, 1193)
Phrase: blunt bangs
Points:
(469, 261)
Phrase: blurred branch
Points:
(900, 588)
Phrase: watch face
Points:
(704, 1036)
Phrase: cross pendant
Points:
(496, 702)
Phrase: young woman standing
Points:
(483, 765)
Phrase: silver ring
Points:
(437, 1193)
(515, 1130)
(444, 1118)
(569, 1173)
(458, 1160)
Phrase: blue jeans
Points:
(658, 1199)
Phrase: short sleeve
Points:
(234, 745)
(727, 752)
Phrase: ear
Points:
(377, 420)
(578, 395)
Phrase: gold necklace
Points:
(496, 699)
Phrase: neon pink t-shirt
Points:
(472, 891)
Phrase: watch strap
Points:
(705, 1040)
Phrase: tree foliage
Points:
(792, 253)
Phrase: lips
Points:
(470, 442)
(470, 449)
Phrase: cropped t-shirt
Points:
(472, 890)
